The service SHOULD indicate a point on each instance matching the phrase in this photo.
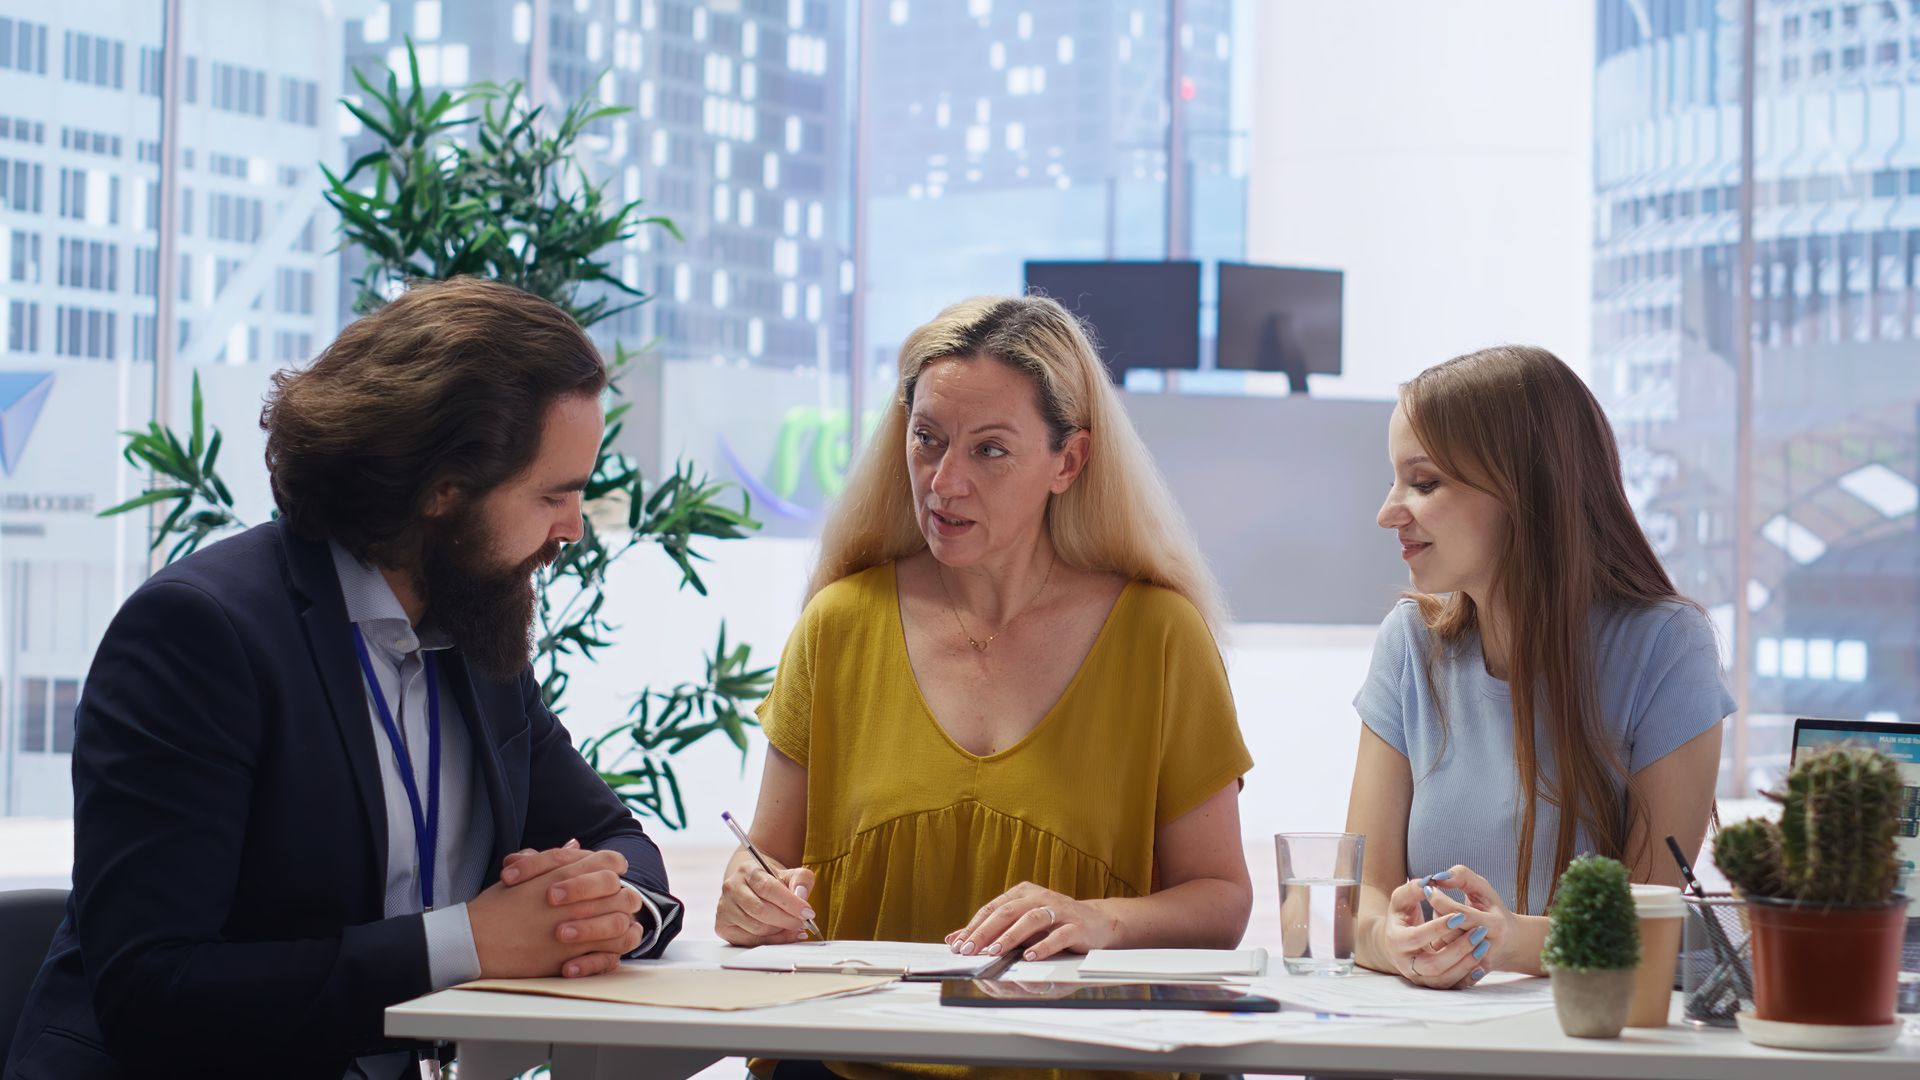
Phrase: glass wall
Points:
(1836, 231)
(79, 153)
(828, 200)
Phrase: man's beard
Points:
(484, 607)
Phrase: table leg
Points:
(499, 1061)
(627, 1063)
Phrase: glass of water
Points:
(1319, 900)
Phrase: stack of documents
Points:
(895, 958)
(684, 988)
(1174, 965)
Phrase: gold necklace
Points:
(978, 645)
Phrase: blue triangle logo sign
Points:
(22, 395)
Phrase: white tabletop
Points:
(501, 1034)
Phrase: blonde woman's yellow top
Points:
(909, 834)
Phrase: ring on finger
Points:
(1414, 964)
(1051, 918)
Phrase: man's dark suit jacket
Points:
(230, 836)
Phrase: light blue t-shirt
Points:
(1657, 673)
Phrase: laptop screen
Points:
(1901, 742)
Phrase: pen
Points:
(812, 927)
(1686, 868)
(1726, 955)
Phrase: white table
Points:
(501, 1035)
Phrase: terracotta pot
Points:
(1833, 964)
(1592, 1004)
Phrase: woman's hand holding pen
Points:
(1044, 921)
(761, 908)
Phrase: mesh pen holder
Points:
(1716, 961)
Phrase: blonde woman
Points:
(1002, 721)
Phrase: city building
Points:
(80, 116)
(1836, 309)
(737, 134)
(1005, 131)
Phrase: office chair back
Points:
(28, 918)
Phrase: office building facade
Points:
(1836, 311)
(80, 117)
(736, 134)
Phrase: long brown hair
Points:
(448, 384)
(1118, 517)
(1517, 423)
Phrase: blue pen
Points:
(812, 927)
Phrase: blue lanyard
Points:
(426, 826)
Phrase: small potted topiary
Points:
(1827, 926)
(1593, 947)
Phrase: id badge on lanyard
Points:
(426, 820)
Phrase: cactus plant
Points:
(1748, 852)
(1593, 925)
(1835, 840)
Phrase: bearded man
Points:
(313, 774)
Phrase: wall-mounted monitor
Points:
(1143, 314)
(1279, 318)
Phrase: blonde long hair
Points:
(1118, 517)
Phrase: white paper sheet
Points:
(1129, 1029)
(1501, 994)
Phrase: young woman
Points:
(1543, 692)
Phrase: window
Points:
(1886, 183)
(1790, 28)
(20, 184)
(237, 89)
(83, 332)
(1789, 69)
(47, 707)
(1850, 16)
(152, 71)
(23, 46)
(1852, 57)
(73, 194)
(1887, 52)
(97, 61)
(299, 101)
(146, 273)
(22, 130)
(143, 337)
(35, 703)
(293, 291)
(89, 264)
(1822, 63)
(23, 326)
(66, 702)
(23, 262)
(234, 217)
(292, 348)
(90, 142)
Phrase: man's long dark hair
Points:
(446, 385)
